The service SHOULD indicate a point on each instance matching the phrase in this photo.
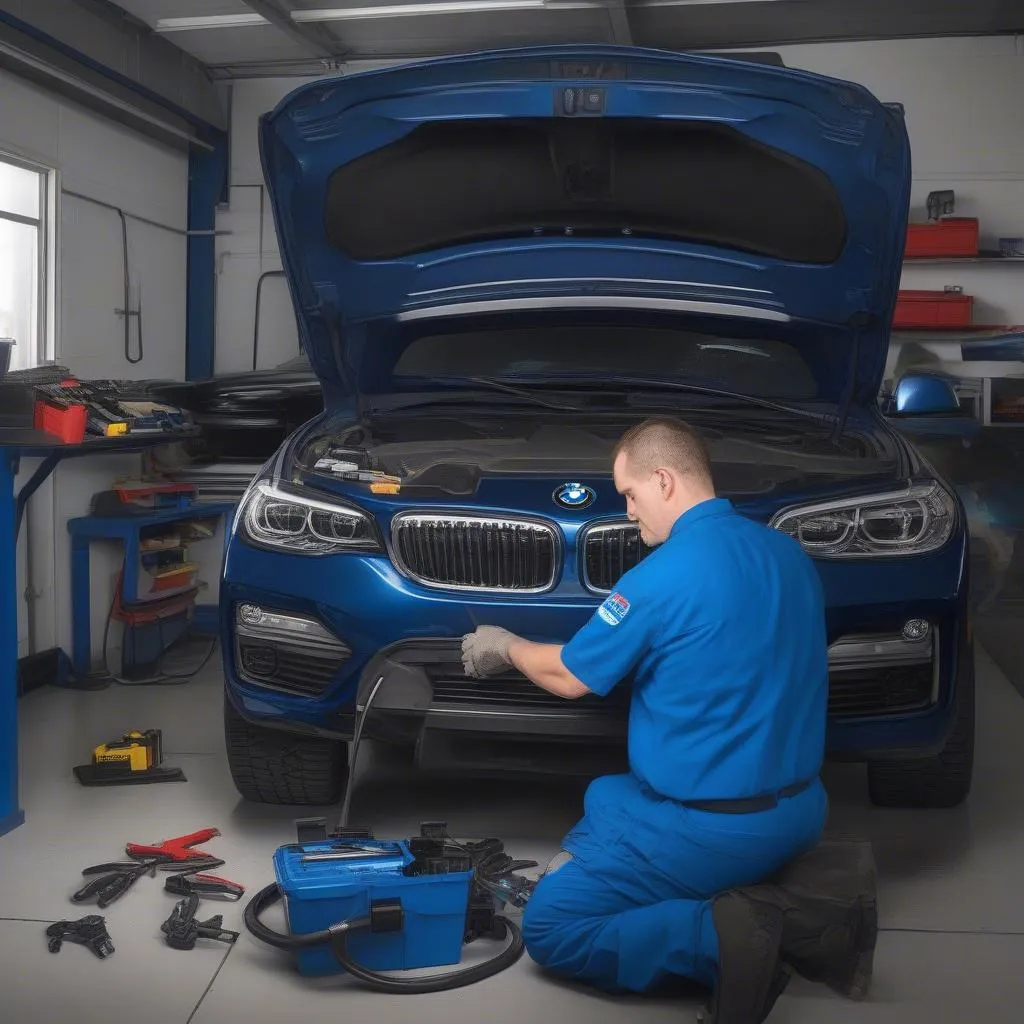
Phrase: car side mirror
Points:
(924, 394)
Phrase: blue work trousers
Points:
(631, 910)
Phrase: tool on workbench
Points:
(206, 886)
(179, 849)
(135, 758)
(181, 929)
(88, 931)
(114, 881)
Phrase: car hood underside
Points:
(587, 178)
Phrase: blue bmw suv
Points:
(498, 263)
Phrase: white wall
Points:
(100, 159)
(966, 125)
(965, 116)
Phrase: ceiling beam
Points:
(315, 39)
(91, 41)
(618, 16)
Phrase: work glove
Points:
(485, 651)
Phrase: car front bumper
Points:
(889, 697)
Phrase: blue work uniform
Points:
(722, 631)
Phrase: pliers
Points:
(116, 879)
(178, 849)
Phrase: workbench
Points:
(17, 444)
(127, 530)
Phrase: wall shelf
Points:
(919, 261)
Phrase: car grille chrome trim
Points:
(493, 554)
(607, 551)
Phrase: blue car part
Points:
(365, 906)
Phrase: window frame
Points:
(45, 348)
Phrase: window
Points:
(25, 301)
(769, 369)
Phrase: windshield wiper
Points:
(511, 389)
(467, 397)
(702, 389)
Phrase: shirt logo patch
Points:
(614, 609)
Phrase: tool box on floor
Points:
(359, 879)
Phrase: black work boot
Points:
(828, 900)
(751, 974)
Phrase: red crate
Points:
(952, 236)
(933, 309)
(67, 424)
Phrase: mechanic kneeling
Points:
(723, 628)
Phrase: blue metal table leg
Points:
(11, 814)
(81, 619)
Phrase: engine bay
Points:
(448, 455)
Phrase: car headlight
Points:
(290, 522)
(912, 521)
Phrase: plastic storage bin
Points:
(952, 236)
(67, 424)
(317, 894)
(933, 309)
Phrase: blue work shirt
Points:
(723, 629)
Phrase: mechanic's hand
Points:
(485, 651)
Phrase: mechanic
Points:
(722, 630)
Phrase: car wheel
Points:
(940, 781)
(271, 766)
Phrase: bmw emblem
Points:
(574, 495)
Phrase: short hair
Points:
(665, 441)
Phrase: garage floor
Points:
(952, 904)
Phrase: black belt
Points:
(750, 805)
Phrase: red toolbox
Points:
(933, 309)
(67, 423)
(951, 236)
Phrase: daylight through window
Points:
(23, 202)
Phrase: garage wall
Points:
(964, 113)
(102, 160)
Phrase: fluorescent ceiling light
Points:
(199, 23)
(411, 10)
(208, 21)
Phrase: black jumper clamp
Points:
(88, 931)
(182, 930)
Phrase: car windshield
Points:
(764, 368)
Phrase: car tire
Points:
(271, 766)
(943, 780)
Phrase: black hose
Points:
(337, 937)
(127, 294)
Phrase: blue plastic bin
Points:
(317, 894)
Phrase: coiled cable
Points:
(337, 937)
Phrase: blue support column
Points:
(11, 815)
(207, 186)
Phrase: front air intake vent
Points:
(608, 552)
(483, 553)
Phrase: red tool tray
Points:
(952, 236)
(933, 309)
(67, 424)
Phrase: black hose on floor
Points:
(337, 937)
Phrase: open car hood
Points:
(588, 178)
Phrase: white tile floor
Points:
(952, 902)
